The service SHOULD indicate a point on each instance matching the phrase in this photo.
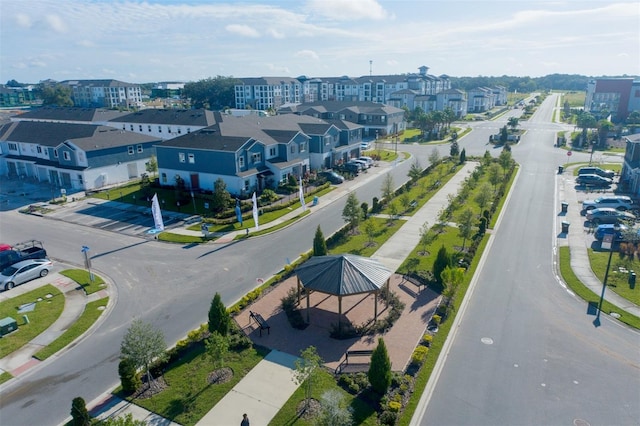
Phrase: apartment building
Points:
(104, 93)
(612, 96)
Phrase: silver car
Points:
(21, 272)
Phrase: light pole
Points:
(607, 242)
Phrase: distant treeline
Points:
(528, 84)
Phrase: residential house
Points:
(480, 99)
(164, 123)
(104, 93)
(73, 156)
(48, 114)
(630, 175)
(265, 93)
(453, 99)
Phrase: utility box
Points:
(8, 325)
(565, 227)
(565, 206)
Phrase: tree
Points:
(465, 225)
(452, 278)
(365, 210)
(454, 151)
(393, 211)
(129, 378)
(79, 414)
(319, 243)
(604, 127)
(387, 188)
(219, 319)
(126, 420)
(513, 123)
(504, 135)
(333, 410)
(380, 369)
(585, 121)
(306, 371)
(152, 165)
(442, 260)
(415, 171)
(463, 156)
(494, 175)
(221, 199)
(486, 158)
(56, 95)
(426, 237)
(352, 213)
(434, 157)
(484, 195)
(214, 93)
(142, 344)
(217, 347)
(505, 160)
(370, 230)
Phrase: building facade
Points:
(104, 93)
(612, 96)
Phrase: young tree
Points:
(505, 161)
(129, 378)
(415, 171)
(463, 155)
(405, 201)
(370, 230)
(306, 371)
(126, 420)
(393, 211)
(452, 278)
(220, 199)
(454, 151)
(217, 347)
(493, 172)
(79, 414)
(152, 165)
(352, 214)
(333, 410)
(142, 344)
(380, 369)
(219, 319)
(426, 237)
(486, 158)
(513, 123)
(483, 197)
(465, 225)
(365, 210)
(387, 188)
(504, 135)
(443, 259)
(319, 243)
(434, 157)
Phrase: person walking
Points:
(245, 420)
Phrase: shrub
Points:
(394, 406)
(419, 355)
(427, 339)
(388, 418)
(380, 369)
(129, 378)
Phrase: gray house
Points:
(73, 156)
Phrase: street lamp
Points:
(607, 242)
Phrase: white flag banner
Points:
(255, 210)
(157, 214)
(304, 206)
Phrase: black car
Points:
(331, 176)
(351, 168)
(593, 180)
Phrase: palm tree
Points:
(513, 123)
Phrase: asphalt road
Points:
(525, 352)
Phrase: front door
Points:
(195, 181)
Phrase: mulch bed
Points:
(219, 376)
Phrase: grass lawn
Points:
(419, 259)
(189, 395)
(586, 294)
(359, 243)
(82, 278)
(575, 99)
(363, 413)
(90, 315)
(49, 305)
(616, 281)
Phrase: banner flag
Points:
(304, 206)
(238, 212)
(157, 214)
(255, 210)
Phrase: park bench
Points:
(264, 325)
(413, 280)
(352, 354)
(413, 204)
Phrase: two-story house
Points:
(73, 156)
(164, 123)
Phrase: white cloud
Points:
(306, 54)
(56, 23)
(275, 33)
(279, 69)
(348, 10)
(242, 30)
(23, 20)
(86, 43)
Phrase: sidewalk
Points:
(579, 240)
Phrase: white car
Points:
(367, 160)
(618, 202)
(23, 272)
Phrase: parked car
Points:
(622, 234)
(363, 164)
(24, 271)
(21, 251)
(609, 215)
(609, 174)
(593, 180)
(618, 202)
(352, 168)
(365, 146)
(331, 176)
(367, 160)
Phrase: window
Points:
(192, 158)
(164, 178)
(80, 179)
(188, 129)
(168, 129)
(303, 146)
(181, 157)
(55, 153)
(66, 155)
(13, 146)
(39, 149)
(246, 185)
(257, 157)
(272, 152)
(241, 161)
(293, 149)
(179, 130)
(139, 148)
(130, 149)
(159, 129)
(149, 128)
(131, 127)
(140, 128)
(124, 127)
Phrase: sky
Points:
(189, 40)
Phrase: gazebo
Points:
(342, 275)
